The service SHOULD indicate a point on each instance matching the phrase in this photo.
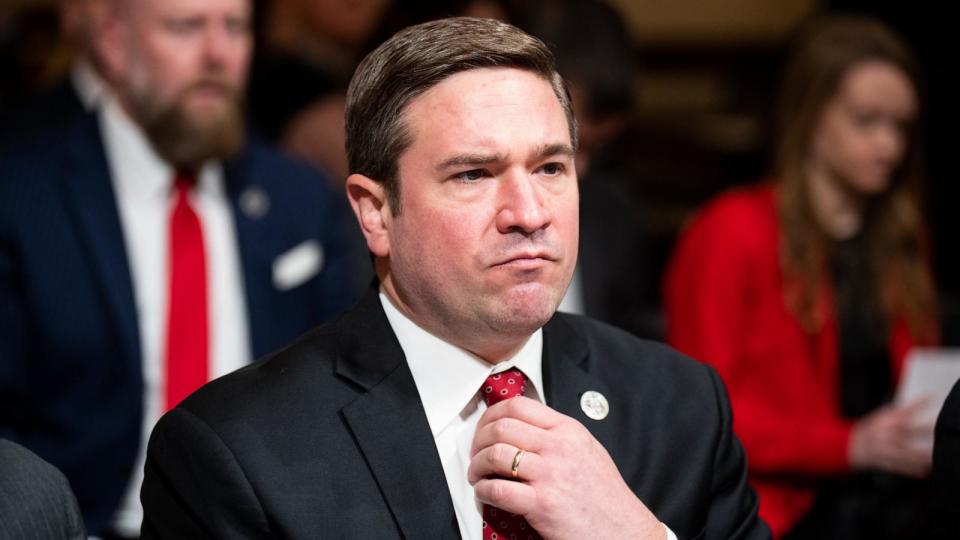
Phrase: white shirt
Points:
(89, 86)
(143, 186)
(448, 379)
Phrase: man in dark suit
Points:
(393, 420)
(35, 498)
(945, 511)
(101, 329)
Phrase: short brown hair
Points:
(413, 61)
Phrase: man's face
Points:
(486, 242)
(183, 73)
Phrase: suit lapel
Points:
(91, 201)
(252, 244)
(568, 373)
(391, 427)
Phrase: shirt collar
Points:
(87, 83)
(138, 171)
(448, 377)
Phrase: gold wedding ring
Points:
(516, 463)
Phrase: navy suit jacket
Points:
(328, 438)
(58, 106)
(71, 385)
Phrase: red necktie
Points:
(187, 338)
(499, 524)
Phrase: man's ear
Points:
(111, 44)
(368, 200)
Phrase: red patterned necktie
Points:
(187, 334)
(499, 524)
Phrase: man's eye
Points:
(470, 176)
(183, 27)
(552, 169)
(237, 26)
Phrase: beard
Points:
(188, 140)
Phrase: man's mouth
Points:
(525, 260)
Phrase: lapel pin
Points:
(594, 405)
(254, 202)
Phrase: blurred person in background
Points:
(807, 291)
(297, 94)
(299, 76)
(152, 246)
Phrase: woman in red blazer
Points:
(806, 292)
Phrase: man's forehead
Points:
(481, 109)
(462, 85)
(183, 8)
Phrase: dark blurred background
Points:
(695, 123)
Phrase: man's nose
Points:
(219, 44)
(522, 204)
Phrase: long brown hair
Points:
(824, 52)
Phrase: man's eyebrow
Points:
(558, 149)
(470, 159)
(546, 150)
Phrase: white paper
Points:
(929, 374)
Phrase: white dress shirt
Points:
(143, 187)
(448, 379)
(90, 88)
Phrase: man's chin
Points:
(188, 137)
(207, 117)
(527, 307)
(209, 109)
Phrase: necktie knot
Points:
(501, 386)
(183, 183)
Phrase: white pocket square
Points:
(297, 265)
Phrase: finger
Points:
(913, 469)
(912, 462)
(509, 431)
(923, 428)
(515, 497)
(911, 408)
(498, 460)
(528, 410)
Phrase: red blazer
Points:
(724, 305)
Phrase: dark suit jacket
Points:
(71, 386)
(35, 498)
(946, 469)
(56, 107)
(328, 438)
